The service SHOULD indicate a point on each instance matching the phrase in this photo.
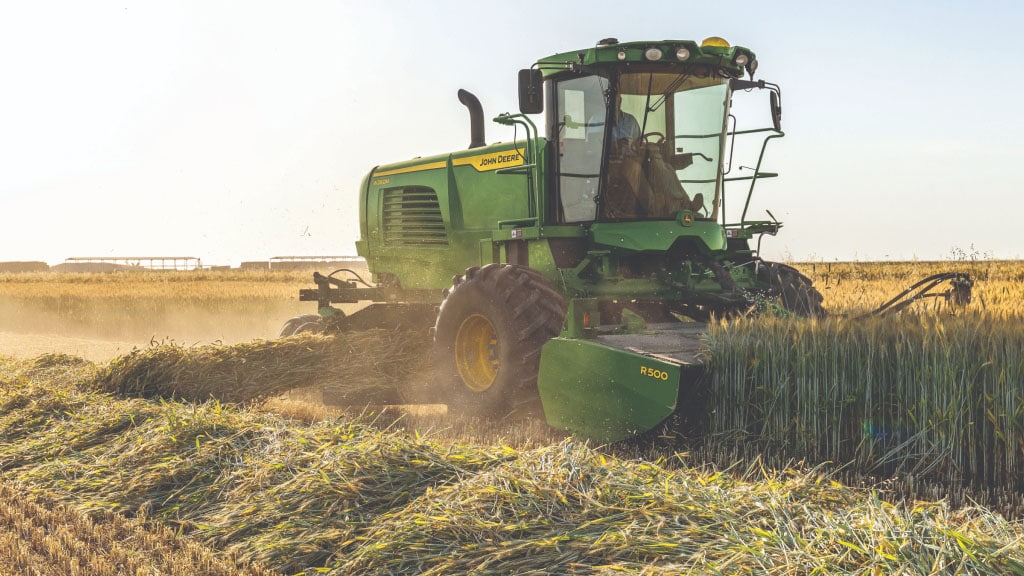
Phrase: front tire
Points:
(302, 324)
(794, 291)
(488, 338)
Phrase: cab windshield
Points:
(640, 145)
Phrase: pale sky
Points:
(238, 131)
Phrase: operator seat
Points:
(628, 194)
(669, 195)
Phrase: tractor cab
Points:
(648, 143)
(638, 131)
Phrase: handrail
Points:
(757, 168)
(758, 175)
(531, 167)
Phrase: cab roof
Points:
(713, 52)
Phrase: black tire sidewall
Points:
(794, 291)
(481, 292)
(463, 303)
(296, 324)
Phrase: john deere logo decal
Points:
(492, 161)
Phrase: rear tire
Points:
(794, 291)
(488, 338)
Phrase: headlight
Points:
(622, 55)
(682, 54)
(741, 59)
(653, 54)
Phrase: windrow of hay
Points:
(363, 367)
(933, 396)
(258, 486)
(344, 497)
(565, 509)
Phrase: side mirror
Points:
(776, 111)
(531, 97)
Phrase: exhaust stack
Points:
(476, 118)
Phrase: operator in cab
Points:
(625, 130)
(641, 182)
(628, 195)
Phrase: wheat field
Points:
(934, 392)
(102, 316)
(173, 441)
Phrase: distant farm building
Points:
(17, 267)
(128, 263)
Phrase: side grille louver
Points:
(412, 217)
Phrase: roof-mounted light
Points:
(741, 59)
(621, 55)
(653, 54)
(714, 42)
(682, 54)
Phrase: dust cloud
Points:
(27, 331)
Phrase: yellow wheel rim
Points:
(476, 353)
